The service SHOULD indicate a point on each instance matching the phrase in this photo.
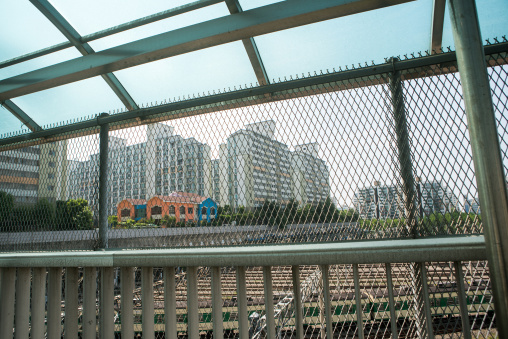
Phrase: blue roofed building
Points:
(207, 210)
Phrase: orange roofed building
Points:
(134, 209)
(180, 205)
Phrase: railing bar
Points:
(55, 302)
(89, 307)
(297, 298)
(326, 296)
(192, 303)
(391, 301)
(426, 304)
(107, 312)
(170, 303)
(38, 302)
(22, 304)
(241, 287)
(218, 328)
(127, 295)
(459, 278)
(147, 302)
(268, 287)
(71, 303)
(7, 304)
(358, 300)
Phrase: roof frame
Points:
(21, 115)
(244, 25)
(74, 37)
(251, 48)
(113, 30)
(436, 34)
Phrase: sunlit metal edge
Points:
(436, 34)
(449, 248)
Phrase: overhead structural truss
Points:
(84, 48)
(239, 26)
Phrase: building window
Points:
(51, 188)
(203, 210)
(125, 212)
(52, 152)
(182, 210)
(212, 211)
(171, 209)
(156, 210)
(52, 164)
(190, 210)
(51, 175)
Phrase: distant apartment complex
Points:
(53, 171)
(389, 202)
(253, 168)
(19, 173)
(435, 198)
(164, 163)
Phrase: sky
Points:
(366, 37)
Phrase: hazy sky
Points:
(396, 30)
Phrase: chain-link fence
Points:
(379, 152)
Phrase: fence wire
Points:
(360, 158)
(327, 163)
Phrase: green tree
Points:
(79, 214)
(6, 207)
(113, 220)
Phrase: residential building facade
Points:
(19, 173)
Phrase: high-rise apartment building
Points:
(19, 173)
(163, 164)
(253, 168)
(389, 202)
(435, 198)
(53, 171)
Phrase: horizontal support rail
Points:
(450, 248)
(243, 97)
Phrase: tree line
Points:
(72, 214)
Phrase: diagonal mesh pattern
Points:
(385, 155)
(382, 155)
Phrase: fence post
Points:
(408, 189)
(487, 160)
(103, 182)
(404, 150)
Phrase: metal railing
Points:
(378, 300)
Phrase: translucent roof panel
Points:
(9, 123)
(493, 18)
(169, 24)
(206, 70)
(250, 4)
(395, 30)
(24, 30)
(97, 15)
(34, 64)
(72, 101)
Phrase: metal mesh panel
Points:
(313, 164)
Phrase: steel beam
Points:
(21, 115)
(258, 21)
(487, 158)
(84, 48)
(251, 48)
(113, 30)
(436, 34)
